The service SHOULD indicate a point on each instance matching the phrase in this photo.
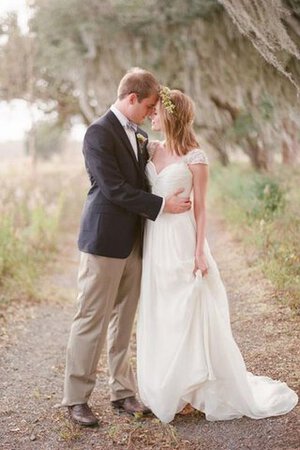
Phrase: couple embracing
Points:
(142, 240)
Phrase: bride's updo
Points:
(177, 111)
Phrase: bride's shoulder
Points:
(152, 146)
(196, 156)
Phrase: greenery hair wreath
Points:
(165, 97)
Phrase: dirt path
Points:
(32, 357)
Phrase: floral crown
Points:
(165, 97)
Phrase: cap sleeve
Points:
(151, 147)
(196, 156)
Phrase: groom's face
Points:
(139, 110)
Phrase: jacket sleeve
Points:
(102, 165)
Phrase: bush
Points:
(270, 199)
(31, 213)
(264, 212)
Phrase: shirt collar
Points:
(120, 116)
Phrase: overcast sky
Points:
(15, 5)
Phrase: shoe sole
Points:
(82, 424)
(121, 410)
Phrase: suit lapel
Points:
(121, 133)
(142, 149)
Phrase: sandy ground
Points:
(32, 354)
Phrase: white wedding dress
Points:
(185, 349)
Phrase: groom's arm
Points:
(103, 167)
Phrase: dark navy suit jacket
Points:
(118, 201)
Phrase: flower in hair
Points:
(165, 96)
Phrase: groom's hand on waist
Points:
(175, 204)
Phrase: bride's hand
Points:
(200, 264)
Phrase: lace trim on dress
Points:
(151, 147)
(196, 156)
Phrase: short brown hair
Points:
(140, 82)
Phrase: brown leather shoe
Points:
(83, 415)
(130, 405)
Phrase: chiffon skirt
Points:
(186, 352)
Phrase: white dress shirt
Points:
(130, 133)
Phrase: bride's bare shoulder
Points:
(153, 146)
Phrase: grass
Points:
(34, 208)
(264, 212)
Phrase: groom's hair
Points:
(140, 82)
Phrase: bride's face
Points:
(156, 120)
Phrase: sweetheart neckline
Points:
(166, 167)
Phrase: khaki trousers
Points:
(109, 289)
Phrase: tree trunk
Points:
(290, 147)
(31, 146)
(220, 148)
(258, 154)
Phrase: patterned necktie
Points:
(131, 126)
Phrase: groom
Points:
(110, 241)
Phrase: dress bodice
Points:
(173, 177)
(176, 175)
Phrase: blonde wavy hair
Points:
(178, 124)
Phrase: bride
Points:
(186, 353)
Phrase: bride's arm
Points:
(200, 181)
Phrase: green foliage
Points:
(252, 196)
(243, 125)
(266, 108)
(264, 213)
(72, 32)
(252, 119)
(254, 126)
(270, 198)
(27, 239)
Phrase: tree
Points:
(79, 62)
(24, 79)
